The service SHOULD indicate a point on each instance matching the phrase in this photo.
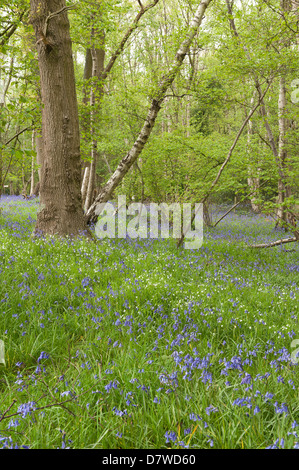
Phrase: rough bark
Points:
(60, 184)
(146, 130)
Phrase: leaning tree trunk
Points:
(147, 128)
(60, 184)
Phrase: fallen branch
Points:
(277, 243)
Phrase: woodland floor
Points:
(134, 344)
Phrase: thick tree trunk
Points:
(146, 130)
(60, 184)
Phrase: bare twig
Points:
(48, 406)
(126, 37)
(11, 29)
(7, 410)
(17, 135)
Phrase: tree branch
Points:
(126, 37)
(17, 135)
(11, 29)
(277, 243)
(56, 13)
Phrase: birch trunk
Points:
(146, 130)
(85, 183)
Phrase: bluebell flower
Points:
(194, 417)
(170, 436)
(246, 379)
(26, 408)
(43, 355)
(256, 410)
(211, 409)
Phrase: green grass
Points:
(144, 339)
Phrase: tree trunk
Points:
(85, 183)
(283, 187)
(96, 93)
(60, 184)
(252, 180)
(32, 165)
(157, 101)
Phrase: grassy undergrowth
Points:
(135, 344)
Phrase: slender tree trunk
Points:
(60, 184)
(188, 106)
(1, 158)
(6, 85)
(32, 165)
(252, 180)
(85, 182)
(284, 190)
(96, 93)
(157, 101)
(282, 153)
(97, 55)
(102, 74)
